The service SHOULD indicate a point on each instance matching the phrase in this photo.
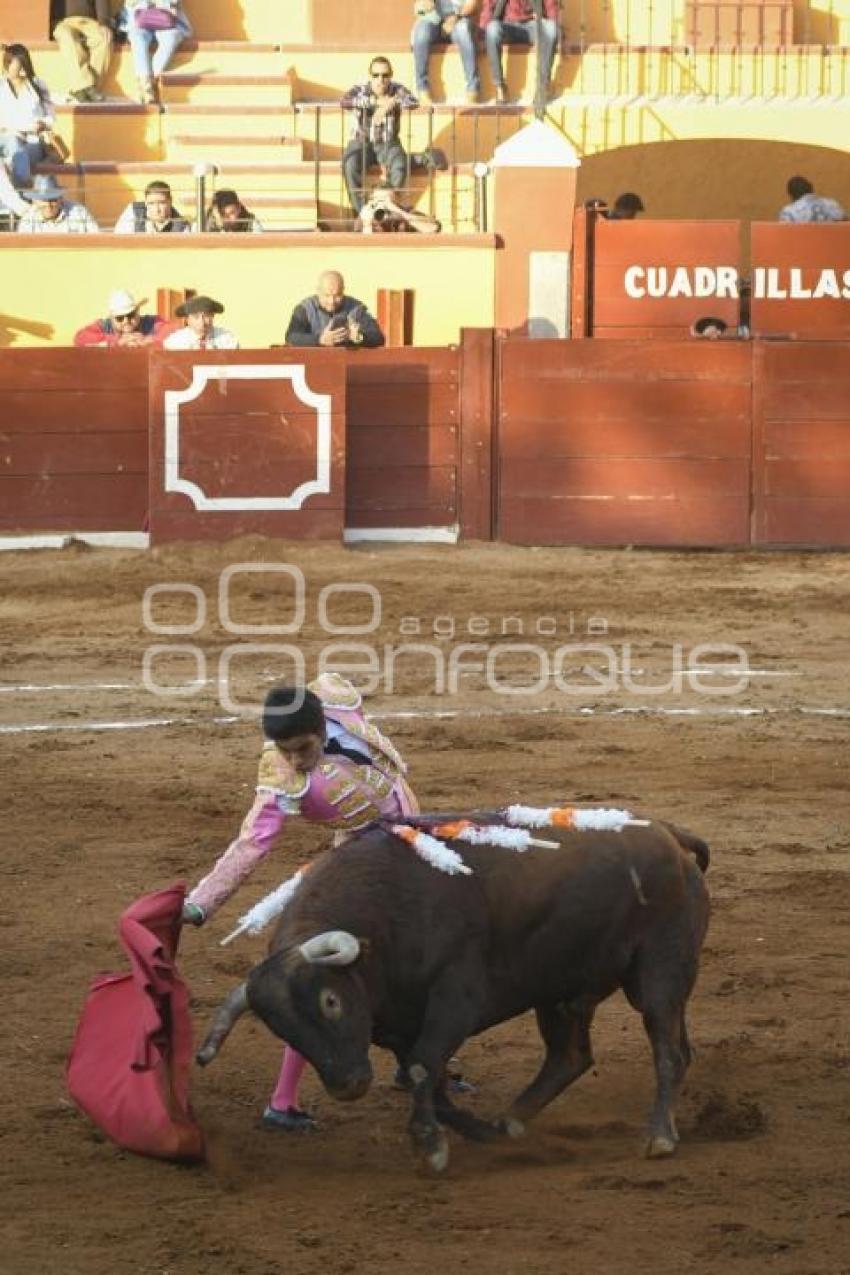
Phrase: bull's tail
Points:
(689, 841)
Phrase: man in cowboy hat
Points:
(51, 213)
(124, 324)
(200, 332)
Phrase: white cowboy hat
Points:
(123, 302)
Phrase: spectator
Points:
(330, 318)
(377, 105)
(445, 22)
(807, 206)
(516, 25)
(153, 215)
(26, 114)
(83, 32)
(124, 324)
(227, 213)
(200, 332)
(10, 200)
(626, 207)
(145, 22)
(383, 214)
(50, 213)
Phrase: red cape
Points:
(129, 1065)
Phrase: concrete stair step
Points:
(214, 89)
(221, 147)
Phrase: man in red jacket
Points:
(513, 22)
(124, 325)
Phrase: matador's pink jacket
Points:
(337, 792)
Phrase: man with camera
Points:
(383, 214)
(377, 107)
(445, 22)
(331, 319)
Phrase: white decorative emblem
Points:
(202, 375)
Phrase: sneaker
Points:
(502, 94)
(79, 96)
(95, 95)
(290, 1121)
(472, 97)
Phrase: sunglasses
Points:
(381, 75)
(122, 318)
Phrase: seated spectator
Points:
(626, 207)
(26, 114)
(227, 213)
(330, 318)
(383, 214)
(377, 107)
(10, 200)
(83, 32)
(124, 324)
(153, 215)
(200, 332)
(516, 25)
(807, 206)
(146, 23)
(445, 22)
(50, 213)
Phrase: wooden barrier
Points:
(624, 443)
(654, 278)
(534, 442)
(403, 426)
(73, 440)
(801, 444)
(800, 280)
(247, 442)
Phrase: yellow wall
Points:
(51, 291)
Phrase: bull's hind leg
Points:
(663, 1013)
(566, 1034)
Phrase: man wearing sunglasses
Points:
(124, 325)
(377, 107)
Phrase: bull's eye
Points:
(330, 1004)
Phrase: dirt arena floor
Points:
(570, 693)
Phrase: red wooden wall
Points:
(790, 260)
(624, 443)
(249, 439)
(801, 444)
(73, 440)
(617, 247)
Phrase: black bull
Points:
(379, 947)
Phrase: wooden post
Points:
(395, 315)
(476, 497)
(534, 202)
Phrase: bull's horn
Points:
(232, 1009)
(334, 947)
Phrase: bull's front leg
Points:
(451, 1014)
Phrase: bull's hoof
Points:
(659, 1148)
(511, 1127)
(205, 1055)
(438, 1159)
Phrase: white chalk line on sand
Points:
(636, 711)
(33, 688)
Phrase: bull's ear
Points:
(334, 947)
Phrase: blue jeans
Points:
(498, 33)
(20, 156)
(427, 33)
(150, 64)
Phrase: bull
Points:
(379, 947)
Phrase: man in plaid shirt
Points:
(377, 107)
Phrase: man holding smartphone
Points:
(330, 318)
